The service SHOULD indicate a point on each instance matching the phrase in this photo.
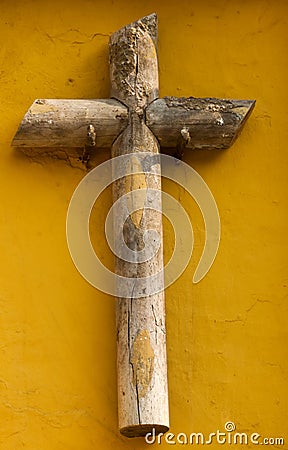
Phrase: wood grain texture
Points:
(141, 336)
(212, 123)
(63, 123)
(133, 63)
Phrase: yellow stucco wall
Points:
(227, 335)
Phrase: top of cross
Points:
(196, 123)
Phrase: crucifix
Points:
(134, 120)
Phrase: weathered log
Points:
(63, 123)
(212, 123)
(141, 337)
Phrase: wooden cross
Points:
(135, 120)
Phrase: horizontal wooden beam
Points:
(212, 123)
(63, 123)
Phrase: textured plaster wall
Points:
(227, 336)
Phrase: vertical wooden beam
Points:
(141, 337)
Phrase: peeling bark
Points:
(212, 123)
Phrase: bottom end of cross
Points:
(149, 431)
